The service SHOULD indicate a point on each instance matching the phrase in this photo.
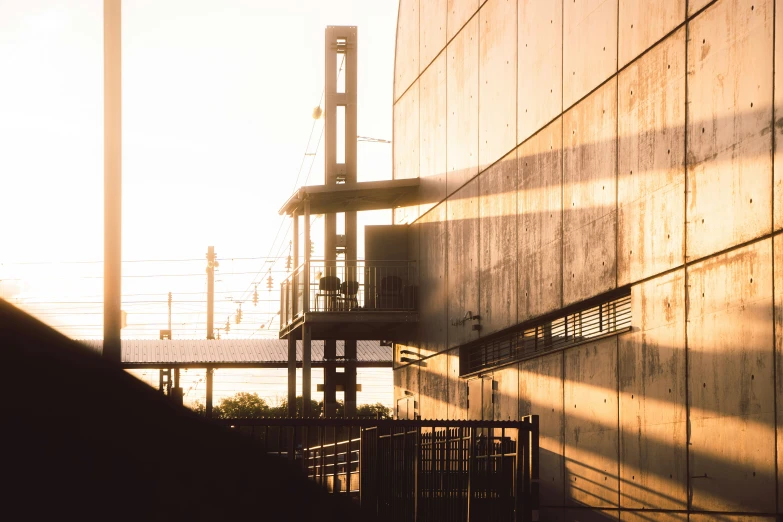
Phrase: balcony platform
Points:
(354, 325)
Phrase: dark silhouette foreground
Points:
(84, 440)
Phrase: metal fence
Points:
(414, 470)
(340, 286)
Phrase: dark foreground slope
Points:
(83, 440)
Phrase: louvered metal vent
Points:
(577, 327)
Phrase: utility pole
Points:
(112, 179)
(169, 313)
(212, 264)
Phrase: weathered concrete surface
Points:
(589, 46)
(457, 403)
(695, 5)
(644, 22)
(651, 162)
(539, 209)
(777, 193)
(406, 379)
(406, 54)
(406, 135)
(433, 387)
(540, 68)
(462, 106)
(497, 78)
(474, 404)
(463, 263)
(730, 518)
(459, 12)
(778, 281)
(432, 33)
(432, 131)
(729, 135)
(541, 393)
(731, 376)
(646, 516)
(506, 406)
(590, 390)
(590, 195)
(498, 245)
(590, 515)
(433, 287)
(653, 427)
(405, 152)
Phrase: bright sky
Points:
(217, 104)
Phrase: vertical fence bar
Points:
(417, 454)
(471, 467)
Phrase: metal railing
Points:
(340, 286)
(414, 470)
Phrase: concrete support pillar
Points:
(306, 340)
(350, 379)
(330, 372)
(112, 179)
(306, 366)
(291, 375)
(210, 372)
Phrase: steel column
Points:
(112, 179)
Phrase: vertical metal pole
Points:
(306, 340)
(169, 315)
(292, 375)
(112, 179)
(210, 292)
(306, 365)
(209, 393)
(471, 467)
(294, 297)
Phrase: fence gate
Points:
(414, 470)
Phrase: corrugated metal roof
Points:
(232, 351)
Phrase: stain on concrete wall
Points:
(729, 117)
(459, 12)
(541, 393)
(497, 80)
(540, 68)
(432, 131)
(644, 22)
(498, 245)
(731, 381)
(539, 207)
(432, 33)
(406, 54)
(590, 405)
(653, 428)
(590, 195)
(589, 46)
(462, 106)
(463, 262)
(651, 162)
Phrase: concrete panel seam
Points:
(688, 490)
(775, 333)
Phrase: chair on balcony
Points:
(329, 289)
(390, 293)
(349, 289)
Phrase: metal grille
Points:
(422, 470)
(583, 325)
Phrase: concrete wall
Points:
(571, 147)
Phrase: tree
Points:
(282, 411)
(243, 405)
(375, 411)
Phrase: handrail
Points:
(374, 285)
